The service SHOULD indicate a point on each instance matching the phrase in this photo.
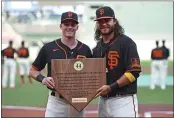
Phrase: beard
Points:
(107, 31)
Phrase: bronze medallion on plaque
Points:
(77, 80)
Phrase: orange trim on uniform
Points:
(62, 49)
(134, 105)
(80, 46)
(81, 57)
(133, 70)
(35, 67)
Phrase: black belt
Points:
(117, 95)
(54, 94)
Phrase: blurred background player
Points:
(166, 54)
(157, 67)
(23, 54)
(9, 65)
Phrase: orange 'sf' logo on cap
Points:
(101, 11)
(69, 14)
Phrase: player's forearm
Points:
(34, 73)
(124, 80)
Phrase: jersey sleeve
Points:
(152, 54)
(2, 52)
(40, 60)
(131, 58)
(27, 52)
(168, 53)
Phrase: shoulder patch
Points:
(135, 62)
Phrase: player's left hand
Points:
(104, 90)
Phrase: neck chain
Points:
(103, 54)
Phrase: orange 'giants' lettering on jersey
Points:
(22, 52)
(8, 52)
(157, 53)
(113, 59)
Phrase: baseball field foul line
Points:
(38, 108)
(147, 114)
(166, 112)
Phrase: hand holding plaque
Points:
(77, 80)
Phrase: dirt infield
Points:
(91, 111)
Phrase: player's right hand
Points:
(48, 81)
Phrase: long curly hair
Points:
(118, 30)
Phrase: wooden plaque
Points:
(77, 80)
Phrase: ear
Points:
(115, 21)
(60, 26)
(96, 25)
(77, 27)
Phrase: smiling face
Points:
(69, 28)
(106, 25)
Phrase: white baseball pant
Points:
(9, 69)
(158, 73)
(24, 66)
(58, 107)
(125, 106)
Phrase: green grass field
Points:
(28, 95)
(36, 94)
(147, 63)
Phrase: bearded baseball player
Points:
(118, 97)
(67, 47)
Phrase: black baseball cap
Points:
(69, 15)
(104, 12)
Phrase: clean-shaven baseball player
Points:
(67, 47)
(9, 66)
(159, 65)
(24, 66)
(118, 97)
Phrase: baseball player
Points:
(166, 53)
(67, 47)
(118, 97)
(159, 65)
(23, 54)
(9, 65)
